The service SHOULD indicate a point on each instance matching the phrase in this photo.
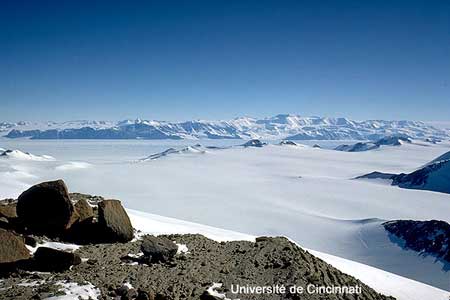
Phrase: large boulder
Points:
(53, 260)
(113, 219)
(46, 208)
(12, 248)
(158, 249)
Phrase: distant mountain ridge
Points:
(292, 127)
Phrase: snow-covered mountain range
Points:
(293, 127)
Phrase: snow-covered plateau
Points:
(307, 194)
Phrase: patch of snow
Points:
(212, 291)
(182, 249)
(128, 285)
(54, 245)
(140, 254)
(73, 165)
(74, 291)
(27, 283)
(159, 225)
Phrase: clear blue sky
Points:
(179, 60)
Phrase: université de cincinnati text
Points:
(293, 289)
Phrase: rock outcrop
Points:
(434, 176)
(427, 237)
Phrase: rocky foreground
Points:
(112, 261)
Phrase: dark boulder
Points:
(86, 232)
(114, 221)
(46, 208)
(53, 260)
(158, 249)
(12, 248)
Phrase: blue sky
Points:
(178, 60)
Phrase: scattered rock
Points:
(46, 208)
(93, 200)
(113, 218)
(12, 248)
(158, 249)
(53, 260)
(279, 262)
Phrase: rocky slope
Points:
(427, 237)
(110, 264)
(434, 176)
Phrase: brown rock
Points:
(84, 211)
(115, 222)
(12, 247)
(8, 211)
(46, 208)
